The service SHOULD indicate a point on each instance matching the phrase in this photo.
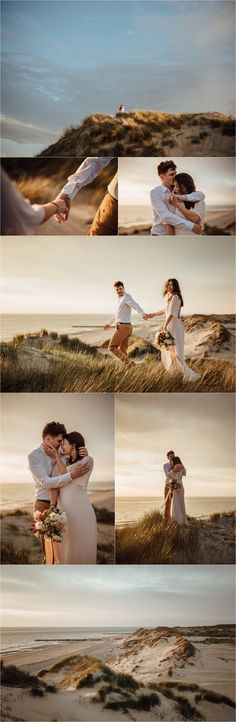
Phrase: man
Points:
(119, 342)
(41, 466)
(162, 212)
(105, 222)
(167, 467)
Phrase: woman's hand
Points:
(64, 203)
(50, 451)
(83, 451)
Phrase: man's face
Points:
(168, 178)
(170, 458)
(54, 441)
(120, 291)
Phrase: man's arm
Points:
(39, 472)
(166, 216)
(133, 304)
(195, 196)
(85, 174)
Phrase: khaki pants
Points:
(41, 506)
(105, 222)
(120, 341)
(168, 503)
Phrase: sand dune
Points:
(166, 674)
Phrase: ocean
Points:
(20, 496)
(142, 215)
(17, 639)
(12, 324)
(133, 508)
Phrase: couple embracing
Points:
(174, 504)
(170, 338)
(61, 469)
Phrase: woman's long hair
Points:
(176, 289)
(78, 440)
(186, 185)
(176, 460)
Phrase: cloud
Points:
(23, 132)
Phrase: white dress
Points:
(199, 208)
(177, 509)
(79, 543)
(173, 359)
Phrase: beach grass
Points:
(153, 540)
(63, 370)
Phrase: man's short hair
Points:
(53, 428)
(118, 283)
(166, 165)
(170, 452)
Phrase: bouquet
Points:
(49, 524)
(165, 339)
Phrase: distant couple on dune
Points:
(19, 217)
(178, 208)
(174, 503)
(61, 469)
(170, 337)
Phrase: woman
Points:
(79, 543)
(186, 202)
(177, 509)
(21, 218)
(173, 357)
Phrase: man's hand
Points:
(83, 451)
(106, 327)
(50, 451)
(64, 215)
(197, 228)
(145, 316)
(79, 470)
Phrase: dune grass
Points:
(143, 132)
(152, 540)
(80, 370)
(11, 555)
(11, 676)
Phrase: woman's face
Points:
(170, 287)
(66, 447)
(176, 187)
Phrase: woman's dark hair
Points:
(186, 185)
(176, 460)
(176, 289)
(78, 440)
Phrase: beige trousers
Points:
(168, 502)
(105, 222)
(41, 506)
(120, 341)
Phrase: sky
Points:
(64, 60)
(24, 416)
(117, 596)
(198, 427)
(213, 176)
(48, 275)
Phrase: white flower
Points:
(37, 515)
(63, 516)
(56, 537)
(53, 516)
(39, 525)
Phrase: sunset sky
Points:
(64, 60)
(47, 275)
(24, 415)
(117, 596)
(213, 176)
(198, 427)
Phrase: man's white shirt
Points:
(124, 309)
(41, 467)
(163, 212)
(85, 174)
(167, 468)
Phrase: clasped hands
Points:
(64, 203)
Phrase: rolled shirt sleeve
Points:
(165, 215)
(42, 477)
(133, 304)
(85, 174)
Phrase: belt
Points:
(44, 501)
(123, 323)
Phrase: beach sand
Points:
(199, 656)
(222, 220)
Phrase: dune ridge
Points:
(147, 133)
